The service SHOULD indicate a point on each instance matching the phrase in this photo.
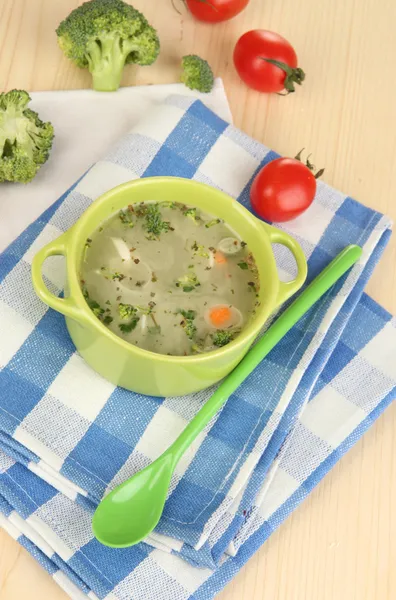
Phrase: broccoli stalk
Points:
(25, 141)
(196, 73)
(104, 36)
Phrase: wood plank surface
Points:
(340, 544)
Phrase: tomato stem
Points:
(308, 164)
(293, 76)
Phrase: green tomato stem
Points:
(293, 75)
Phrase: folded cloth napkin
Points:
(292, 419)
(86, 125)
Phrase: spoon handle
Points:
(319, 286)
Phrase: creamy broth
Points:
(170, 278)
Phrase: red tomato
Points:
(253, 54)
(214, 11)
(282, 190)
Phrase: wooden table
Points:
(341, 543)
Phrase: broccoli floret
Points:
(188, 322)
(196, 73)
(126, 310)
(104, 36)
(25, 140)
(222, 337)
(189, 328)
(199, 250)
(169, 204)
(188, 282)
(191, 213)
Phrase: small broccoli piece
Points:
(188, 282)
(222, 337)
(25, 140)
(126, 310)
(97, 310)
(199, 250)
(191, 213)
(188, 323)
(169, 204)
(198, 347)
(243, 265)
(189, 328)
(126, 216)
(154, 225)
(146, 310)
(188, 314)
(196, 73)
(130, 326)
(104, 36)
(117, 276)
(212, 222)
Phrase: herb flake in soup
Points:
(170, 278)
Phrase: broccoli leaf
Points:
(128, 327)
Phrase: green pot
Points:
(140, 370)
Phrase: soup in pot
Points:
(170, 278)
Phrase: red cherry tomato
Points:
(267, 62)
(282, 190)
(214, 11)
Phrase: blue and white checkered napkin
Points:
(67, 436)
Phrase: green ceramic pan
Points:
(140, 370)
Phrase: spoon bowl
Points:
(132, 509)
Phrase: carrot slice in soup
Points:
(220, 259)
(220, 315)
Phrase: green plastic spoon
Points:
(132, 510)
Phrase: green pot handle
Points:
(288, 288)
(66, 306)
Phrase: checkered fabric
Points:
(276, 437)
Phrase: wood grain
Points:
(340, 544)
